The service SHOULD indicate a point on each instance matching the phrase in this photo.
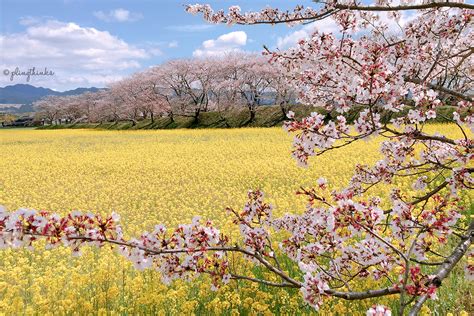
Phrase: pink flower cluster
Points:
(378, 310)
(180, 253)
(395, 80)
(395, 76)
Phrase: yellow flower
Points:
(425, 311)
(152, 177)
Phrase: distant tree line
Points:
(184, 87)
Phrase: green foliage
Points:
(266, 116)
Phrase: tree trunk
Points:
(196, 114)
(252, 114)
(283, 110)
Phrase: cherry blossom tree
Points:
(150, 100)
(251, 76)
(187, 84)
(418, 67)
(406, 245)
(185, 87)
(108, 108)
(91, 105)
(285, 93)
(239, 80)
(225, 94)
(230, 68)
(48, 109)
(125, 93)
(74, 108)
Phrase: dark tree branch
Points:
(429, 5)
(430, 194)
(350, 296)
(447, 266)
(421, 136)
(265, 282)
(338, 7)
(441, 89)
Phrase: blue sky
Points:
(92, 43)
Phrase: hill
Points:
(25, 95)
(266, 116)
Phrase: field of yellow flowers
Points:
(151, 177)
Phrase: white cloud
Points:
(225, 43)
(328, 25)
(77, 55)
(190, 27)
(155, 51)
(290, 40)
(394, 26)
(173, 44)
(28, 20)
(118, 15)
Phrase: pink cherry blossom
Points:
(394, 81)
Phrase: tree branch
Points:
(441, 88)
(265, 282)
(420, 136)
(430, 194)
(429, 5)
(447, 266)
(326, 12)
(350, 296)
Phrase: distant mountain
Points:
(26, 94)
(81, 91)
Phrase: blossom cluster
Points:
(349, 233)
(411, 71)
(253, 222)
(378, 310)
(346, 235)
(181, 253)
(142, 202)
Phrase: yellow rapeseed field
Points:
(151, 177)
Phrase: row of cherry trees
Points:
(185, 87)
(406, 244)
